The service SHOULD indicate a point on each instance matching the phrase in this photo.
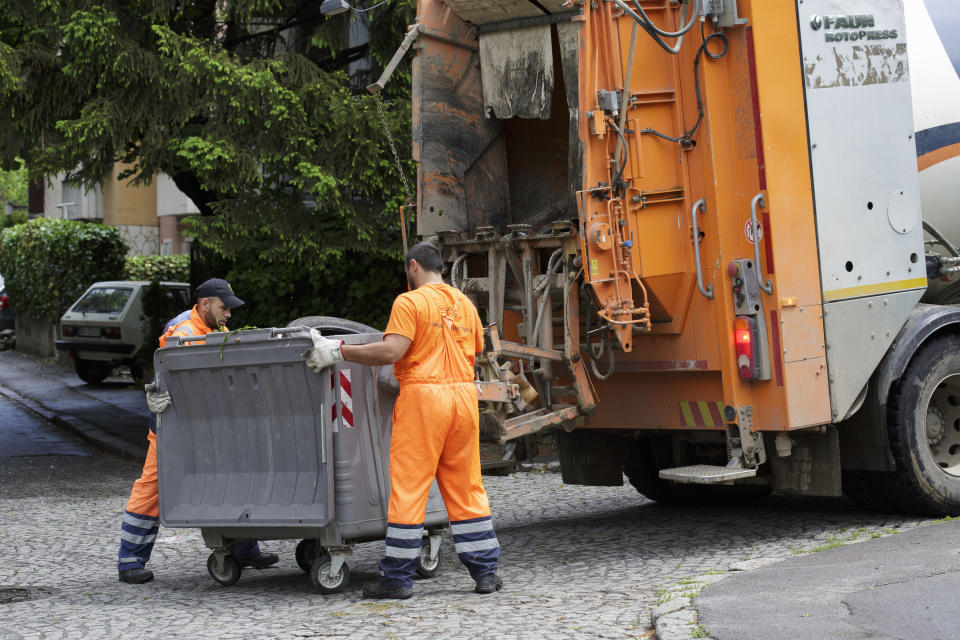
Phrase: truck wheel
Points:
(644, 457)
(92, 371)
(924, 430)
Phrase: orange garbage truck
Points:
(694, 230)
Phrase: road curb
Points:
(677, 618)
(78, 426)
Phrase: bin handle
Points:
(281, 332)
(699, 205)
(758, 200)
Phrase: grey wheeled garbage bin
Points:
(255, 445)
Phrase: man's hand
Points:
(325, 352)
(157, 401)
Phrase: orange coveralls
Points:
(436, 432)
(138, 529)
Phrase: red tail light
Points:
(111, 332)
(744, 338)
(68, 330)
(4, 302)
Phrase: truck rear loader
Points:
(696, 231)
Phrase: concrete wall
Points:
(36, 337)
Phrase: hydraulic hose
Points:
(544, 290)
(942, 239)
(669, 34)
(703, 50)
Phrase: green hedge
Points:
(353, 285)
(158, 268)
(47, 263)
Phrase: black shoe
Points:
(136, 576)
(259, 561)
(377, 591)
(489, 583)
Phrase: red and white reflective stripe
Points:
(346, 398)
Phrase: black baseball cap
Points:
(217, 287)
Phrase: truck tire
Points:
(643, 459)
(924, 430)
(332, 326)
(92, 371)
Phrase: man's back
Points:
(445, 331)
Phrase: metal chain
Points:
(393, 148)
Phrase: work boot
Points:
(136, 576)
(259, 561)
(378, 591)
(489, 583)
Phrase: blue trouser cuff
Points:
(401, 555)
(243, 549)
(137, 536)
(476, 545)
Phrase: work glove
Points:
(157, 401)
(325, 352)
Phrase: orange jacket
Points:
(192, 326)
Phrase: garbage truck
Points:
(705, 236)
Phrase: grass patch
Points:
(947, 519)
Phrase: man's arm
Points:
(388, 351)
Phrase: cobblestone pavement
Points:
(578, 562)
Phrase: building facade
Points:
(150, 218)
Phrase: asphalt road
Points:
(901, 587)
(23, 433)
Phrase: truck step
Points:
(706, 474)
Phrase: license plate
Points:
(88, 332)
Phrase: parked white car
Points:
(104, 329)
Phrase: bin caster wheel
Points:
(426, 568)
(231, 570)
(323, 580)
(306, 553)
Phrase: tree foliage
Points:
(47, 263)
(14, 186)
(246, 104)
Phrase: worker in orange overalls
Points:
(138, 529)
(432, 339)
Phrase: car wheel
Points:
(92, 371)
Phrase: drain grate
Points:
(11, 594)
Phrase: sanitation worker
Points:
(432, 339)
(138, 529)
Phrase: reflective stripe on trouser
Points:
(436, 434)
(476, 545)
(137, 535)
(402, 553)
(138, 530)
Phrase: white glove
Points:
(157, 401)
(325, 352)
